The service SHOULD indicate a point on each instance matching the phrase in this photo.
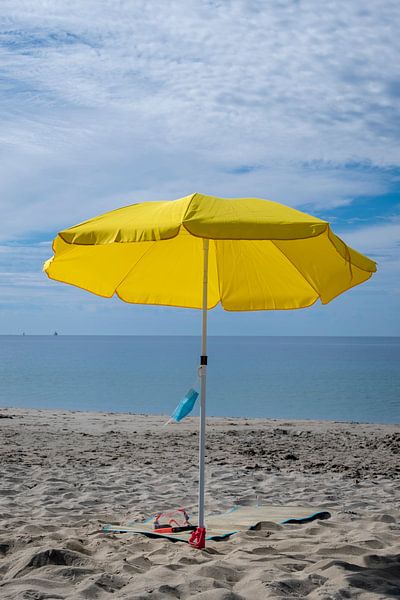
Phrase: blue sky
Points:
(105, 103)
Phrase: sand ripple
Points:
(64, 474)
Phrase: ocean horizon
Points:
(286, 377)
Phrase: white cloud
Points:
(382, 243)
(377, 238)
(105, 102)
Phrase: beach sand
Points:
(64, 474)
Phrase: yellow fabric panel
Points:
(357, 259)
(171, 273)
(168, 272)
(203, 216)
(323, 266)
(152, 253)
(248, 219)
(148, 221)
(97, 269)
(254, 275)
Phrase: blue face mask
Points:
(185, 406)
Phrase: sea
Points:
(336, 378)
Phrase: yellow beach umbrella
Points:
(199, 251)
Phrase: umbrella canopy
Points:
(199, 251)
(262, 255)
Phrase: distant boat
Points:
(55, 333)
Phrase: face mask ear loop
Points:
(196, 383)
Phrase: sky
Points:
(105, 103)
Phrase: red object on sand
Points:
(198, 538)
(177, 519)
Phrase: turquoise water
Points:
(348, 379)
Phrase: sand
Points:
(64, 474)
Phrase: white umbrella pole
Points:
(199, 538)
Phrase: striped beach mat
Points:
(222, 526)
